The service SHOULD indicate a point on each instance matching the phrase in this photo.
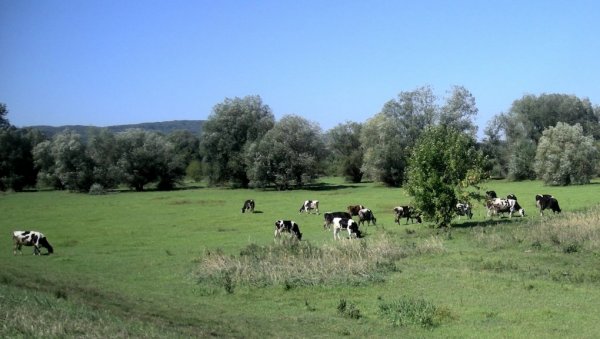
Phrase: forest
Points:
(551, 137)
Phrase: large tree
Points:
(459, 111)
(3, 119)
(104, 152)
(147, 157)
(17, 169)
(287, 155)
(232, 127)
(343, 142)
(565, 156)
(443, 165)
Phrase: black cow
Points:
(330, 215)
(407, 212)
(309, 205)
(345, 224)
(289, 226)
(367, 215)
(31, 238)
(248, 205)
(353, 209)
(544, 201)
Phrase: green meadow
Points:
(188, 263)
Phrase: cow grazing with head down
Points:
(464, 209)
(288, 226)
(31, 238)
(248, 206)
(329, 216)
(491, 195)
(309, 205)
(545, 201)
(354, 209)
(509, 206)
(345, 224)
(367, 215)
(407, 212)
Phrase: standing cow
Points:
(248, 206)
(288, 226)
(30, 238)
(367, 215)
(464, 209)
(354, 209)
(544, 201)
(498, 205)
(407, 212)
(309, 205)
(329, 216)
(345, 224)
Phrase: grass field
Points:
(189, 263)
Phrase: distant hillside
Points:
(165, 127)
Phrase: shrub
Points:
(409, 311)
(97, 189)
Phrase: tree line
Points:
(552, 137)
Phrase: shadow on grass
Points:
(487, 223)
(327, 187)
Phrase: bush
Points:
(409, 311)
(97, 189)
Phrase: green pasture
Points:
(126, 264)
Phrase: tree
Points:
(186, 144)
(228, 132)
(443, 165)
(147, 157)
(64, 163)
(3, 119)
(565, 156)
(103, 150)
(288, 154)
(459, 111)
(16, 159)
(347, 154)
(388, 137)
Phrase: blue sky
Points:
(116, 62)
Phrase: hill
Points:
(164, 127)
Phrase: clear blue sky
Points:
(111, 62)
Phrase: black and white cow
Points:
(464, 209)
(288, 226)
(407, 212)
(310, 205)
(544, 201)
(248, 206)
(31, 238)
(367, 215)
(330, 215)
(509, 206)
(345, 224)
(354, 209)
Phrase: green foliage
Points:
(16, 159)
(348, 310)
(287, 155)
(443, 164)
(459, 111)
(566, 156)
(347, 152)
(194, 170)
(234, 125)
(4, 123)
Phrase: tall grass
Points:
(571, 232)
(292, 263)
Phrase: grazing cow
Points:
(366, 214)
(248, 205)
(544, 201)
(464, 209)
(31, 238)
(309, 205)
(511, 196)
(491, 195)
(353, 209)
(498, 205)
(330, 215)
(407, 212)
(345, 224)
(289, 226)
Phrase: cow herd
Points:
(342, 221)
